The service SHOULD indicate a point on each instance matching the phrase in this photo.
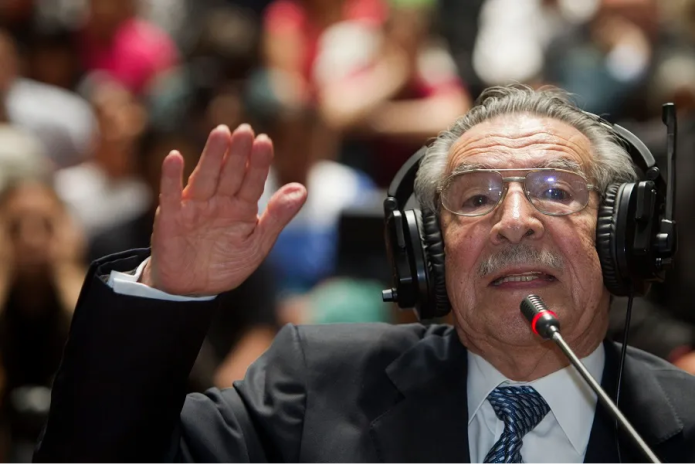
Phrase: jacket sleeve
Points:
(119, 395)
(259, 419)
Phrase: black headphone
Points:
(635, 234)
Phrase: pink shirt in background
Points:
(137, 53)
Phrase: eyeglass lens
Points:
(554, 192)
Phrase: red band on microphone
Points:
(539, 315)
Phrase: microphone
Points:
(545, 324)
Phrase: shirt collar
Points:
(573, 409)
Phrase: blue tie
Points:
(521, 409)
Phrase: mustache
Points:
(519, 255)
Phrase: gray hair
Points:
(611, 162)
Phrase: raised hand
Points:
(208, 237)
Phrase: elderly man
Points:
(368, 393)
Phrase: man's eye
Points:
(477, 201)
(556, 194)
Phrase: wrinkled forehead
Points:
(521, 141)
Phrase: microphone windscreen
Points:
(531, 306)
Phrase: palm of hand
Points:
(208, 238)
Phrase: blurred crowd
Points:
(94, 93)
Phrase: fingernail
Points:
(243, 127)
(223, 128)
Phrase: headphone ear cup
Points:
(433, 244)
(609, 242)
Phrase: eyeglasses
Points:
(551, 191)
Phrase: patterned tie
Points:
(521, 409)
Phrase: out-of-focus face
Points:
(486, 301)
(30, 214)
(122, 120)
(120, 116)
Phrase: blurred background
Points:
(94, 93)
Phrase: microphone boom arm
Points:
(544, 324)
(603, 397)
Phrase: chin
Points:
(517, 332)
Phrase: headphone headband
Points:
(403, 184)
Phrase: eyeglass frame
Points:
(513, 179)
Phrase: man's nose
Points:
(517, 218)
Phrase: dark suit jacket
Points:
(339, 393)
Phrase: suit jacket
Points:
(338, 393)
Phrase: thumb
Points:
(282, 207)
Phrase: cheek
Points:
(463, 247)
(580, 248)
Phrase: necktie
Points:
(521, 409)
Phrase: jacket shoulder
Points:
(360, 351)
(676, 385)
(357, 340)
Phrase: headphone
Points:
(636, 236)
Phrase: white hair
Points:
(611, 162)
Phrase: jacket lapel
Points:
(602, 447)
(430, 422)
(644, 403)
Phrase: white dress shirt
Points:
(562, 436)
(127, 284)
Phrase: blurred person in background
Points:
(131, 50)
(292, 35)
(176, 17)
(42, 268)
(513, 37)
(404, 97)
(60, 119)
(458, 23)
(610, 61)
(106, 189)
(22, 155)
(208, 87)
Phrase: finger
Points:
(237, 156)
(282, 207)
(171, 183)
(257, 170)
(203, 181)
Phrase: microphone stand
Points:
(603, 397)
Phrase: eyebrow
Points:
(556, 162)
